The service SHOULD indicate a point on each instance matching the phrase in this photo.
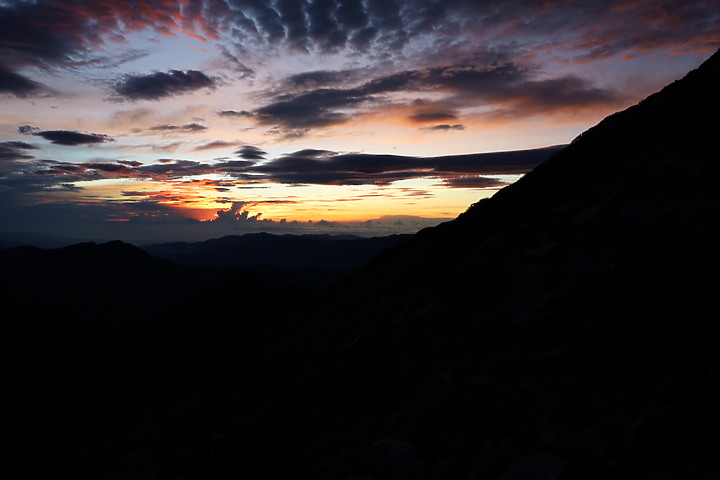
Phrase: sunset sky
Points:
(160, 120)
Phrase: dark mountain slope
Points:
(565, 328)
(666, 147)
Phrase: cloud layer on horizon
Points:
(145, 222)
(304, 167)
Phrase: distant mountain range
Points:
(87, 286)
(115, 284)
(338, 252)
(567, 327)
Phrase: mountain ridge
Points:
(338, 252)
(536, 192)
(563, 328)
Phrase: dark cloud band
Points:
(158, 85)
(65, 137)
(469, 85)
(445, 127)
(248, 152)
(329, 168)
(15, 151)
(320, 167)
(235, 114)
(187, 128)
(15, 84)
(431, 117)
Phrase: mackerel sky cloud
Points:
(309, 110)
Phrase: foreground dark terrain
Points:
(565, 328)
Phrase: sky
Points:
(153, 121)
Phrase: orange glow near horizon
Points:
(199, 200)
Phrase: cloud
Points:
(329, 168)
(323, 29)
(445, 127)
(73, 219)
(312, 153)
(175, 169)
(54, 33)
(307, 166)
(187, 128)
(249, 152)
(316, 108)
(155, 86)
(28, 130)
(130, 163)
(235, 64)
(237, 168)
(236, 213)
(70, 187)
(320, 78)
(233, 113)
(66, 137)
(214, 145)
(430, 117)
(170, 147)
(293, 18)
(114, 170)
(148, 220)
(167, 169)
(15, 151)
(473, 182)
(42, 175)
(511, 88)
(559, 93)
(636, 27)
(243, 217)
(18, 85)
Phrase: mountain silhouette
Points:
(633, 164)
(315, 262)
(284, 251)
(70, 287)
(564, 328)
(90, 288)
